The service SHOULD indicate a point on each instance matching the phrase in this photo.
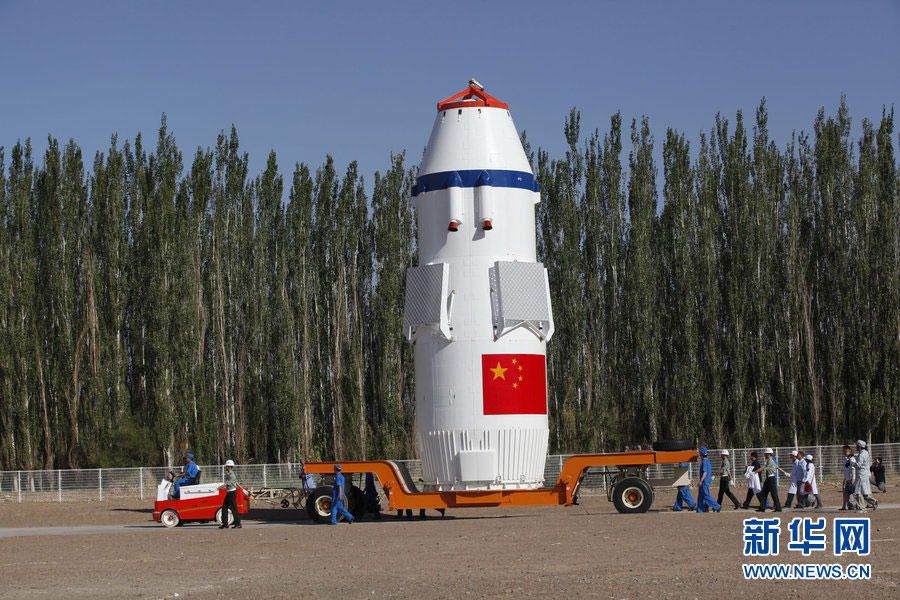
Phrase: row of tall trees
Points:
(152, 304)
(758, 303)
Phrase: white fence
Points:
(141, 482)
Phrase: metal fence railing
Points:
(141, 482)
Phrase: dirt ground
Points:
(113, 550)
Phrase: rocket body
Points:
(478, 304)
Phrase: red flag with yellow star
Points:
(514, 384)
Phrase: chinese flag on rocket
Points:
(514, 384)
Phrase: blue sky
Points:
(360, 80)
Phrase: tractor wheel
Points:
(219, 517)
(672, 445)
(632, 495)
(356, 502)
(318, 504)
(170, 518)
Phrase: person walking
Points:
(798, 472)
(684, 496)
(864, 499)
(770, 485)
(230, 485)
(371, 495)
(306, 479)
(337, 498)
(726, 474)
(849, 479)
(704, 498)
(754, 487)
(878, 474)
(810, 485)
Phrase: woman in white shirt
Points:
(812, 488)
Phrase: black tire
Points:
(318, 504)
(356, 502)
(672, 445)
(632, 495)
(285, 503)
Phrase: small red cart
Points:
(201, 502)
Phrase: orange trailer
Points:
(628, 487)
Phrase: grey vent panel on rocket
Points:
(522, 298)
(427, 296)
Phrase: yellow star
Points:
(514, 361)
(520, 367)
(499, 371)
(515, 385)
(520, 378)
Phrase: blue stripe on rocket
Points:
(476, 178)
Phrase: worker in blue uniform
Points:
(337, 498)
(188, 476)
(704, 498)
(371, 494)
(684, 496)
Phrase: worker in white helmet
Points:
(864, 497)
(770, 485)
(726, 476)
(230, 485)
(811, 487)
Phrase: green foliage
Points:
(130, 445)
(153, 305)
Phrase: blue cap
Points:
(188, 455)
(302, 458)
(337, 467)
(703, 451)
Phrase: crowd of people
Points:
(762, 482)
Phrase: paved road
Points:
(11, 532)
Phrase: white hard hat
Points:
(768, 451)
(724, 453)
(860, 443)
(794, 453)
(229, 463)
(810, 457)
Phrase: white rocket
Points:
(478, 305)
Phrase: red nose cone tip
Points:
(487, 226)
(454, 226)
(471, 96)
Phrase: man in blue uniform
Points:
(684, 496)
(371, 496)
(704, 498)
(337, 498)
(186, 477)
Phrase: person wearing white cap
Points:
(811, 487)
(863, 488)
(230, 485)
(770, 486)
(797, 474)
(726, 474)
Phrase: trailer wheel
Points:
(632, 495)
(285, 503)
(318, 504)
(219, 517)
(170, 518)
(356, 501)
(672, 445)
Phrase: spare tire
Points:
(672, 445)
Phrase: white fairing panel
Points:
(462, 443)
